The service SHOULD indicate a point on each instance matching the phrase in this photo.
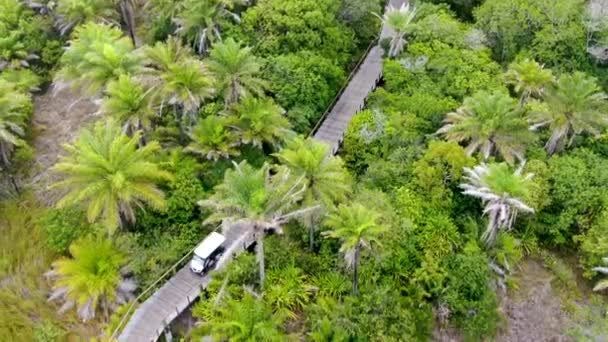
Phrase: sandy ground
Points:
(57, 120)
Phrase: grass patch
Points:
(24, 257)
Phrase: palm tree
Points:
(573, 105)
(71, 13)
(261, 121)
(264, 198)
(327, 182)
(491, 123)
(106, 171)
(399, 20)
(15, 108)
(356, 227)
(186, 84)
(503, 193)
(213, 139)
(528, 79)
(242, 320)
(199, 21)
(91, 279)
(237, 71)
(129, 102)
(97, 55)
(163, 54)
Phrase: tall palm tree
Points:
(186, 84)
(503, 193)
(356, 227)
(528, 79)
(199, 21)
(242, 320)
(163, 54)
(573, 105)
(264, 198)
(71, 13)
(213, 139)
(106, 171)
(91, 279)
(327, 182)
(261, 121)
(399, 20)
(129, 102)
(237, 71)
(491, 123)
(97, 55)
(15, 108)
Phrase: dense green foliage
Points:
(485, 143)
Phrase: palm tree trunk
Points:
(356, 269)
(259, 250)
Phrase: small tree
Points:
(242, 320)
(399, 20)
(602, 284)
(199, 21)
(261, 121)
(97, 55)
(503, 193)
(356, 227)
(213, 139)
(91, 279)
(108, 173)
(573, 105)
(237, 71)
(130, 103)
(528, 79)
(327, 182)
(491, 123)
(15, 108)
(264, 198)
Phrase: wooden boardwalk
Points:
(152, 317)
(352, 100)
(177, 294)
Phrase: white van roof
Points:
(209, 245)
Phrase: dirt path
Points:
(57, 120)
(534, 312)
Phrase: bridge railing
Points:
(352, 74)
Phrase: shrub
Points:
(63, 226)
(471, 301)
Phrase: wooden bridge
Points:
(153, 316)
(150, 320)
(351, 99)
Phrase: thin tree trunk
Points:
(355, 270)
(259, 247)
(524, 98)
(15, 185)
(126, 11)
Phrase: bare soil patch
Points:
(58, 118)
(535, 311)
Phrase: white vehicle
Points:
(207, 253)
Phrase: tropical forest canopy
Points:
(485, 145)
